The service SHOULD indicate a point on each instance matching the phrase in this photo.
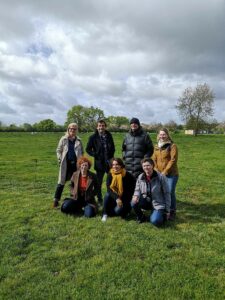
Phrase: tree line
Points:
(195, 107)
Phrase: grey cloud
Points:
(121, 56)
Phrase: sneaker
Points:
(104, 218)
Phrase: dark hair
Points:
(101, 121)
(149, 160)
(118, 160)
(82, 160)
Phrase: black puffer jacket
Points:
(136, 146)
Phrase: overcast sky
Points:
(129, 58)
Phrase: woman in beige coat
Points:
(69, 150)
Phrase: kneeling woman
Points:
(120, 187)
(84, 188)
(151, 193)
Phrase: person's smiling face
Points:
(163, 136)
(115, 166)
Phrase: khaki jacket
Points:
(61, 153)
(165, 159)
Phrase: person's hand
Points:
(119, 202)
(135, 199)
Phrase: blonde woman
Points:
(165, 157)
(69, 150)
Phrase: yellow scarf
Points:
(117, 183)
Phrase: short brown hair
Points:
(101, 121)
(149, 160)
(82, 160)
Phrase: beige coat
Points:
(61, 153)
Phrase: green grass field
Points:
(48, 255)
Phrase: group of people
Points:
(144, 179)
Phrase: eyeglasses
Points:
(72, 128)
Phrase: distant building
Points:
(190, 131)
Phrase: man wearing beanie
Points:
(137, 144)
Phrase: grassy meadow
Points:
(48, 255)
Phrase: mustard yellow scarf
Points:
(117, 183)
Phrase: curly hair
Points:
(82, 160)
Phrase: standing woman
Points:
(69, 150)
(120, 187)
(165, 157)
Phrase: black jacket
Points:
(94, 148)
(128, 188)
(136, 146)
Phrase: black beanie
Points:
(135, 121)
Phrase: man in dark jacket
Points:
(136, 145)
(101, 146)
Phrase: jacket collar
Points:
(154, 174)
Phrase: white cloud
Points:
(128, 58)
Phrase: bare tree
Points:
(196, 105)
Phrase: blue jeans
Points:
(157, 217)
(112, 209)
(172, 182)
(71, 206)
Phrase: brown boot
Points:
(172, 216)
(55, 203)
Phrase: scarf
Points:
(161, 143)
(117, 183)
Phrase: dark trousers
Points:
(111, 208)
(58, 191)
(71, 206)
(157, 217)
(71, 168)
(100, 176)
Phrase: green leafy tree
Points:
(27, 127)
(196, 105)
(45, 125)
(117, 122)
(85, 117)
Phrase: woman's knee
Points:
(89, 211)
(157, 218)
(68, 206)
